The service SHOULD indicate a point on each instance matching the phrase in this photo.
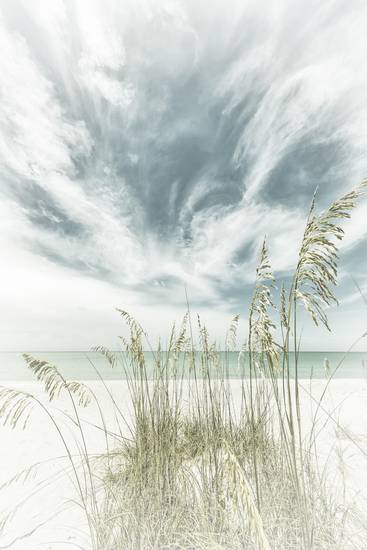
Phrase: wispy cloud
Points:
(150, 145)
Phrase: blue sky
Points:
(149, 145)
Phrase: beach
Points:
(46, 517)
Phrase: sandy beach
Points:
(45, 515)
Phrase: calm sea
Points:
(78, 365)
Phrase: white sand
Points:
(47, 492)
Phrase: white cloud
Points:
(78, 118)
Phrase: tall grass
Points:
(206, 461)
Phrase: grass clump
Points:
(206, 461)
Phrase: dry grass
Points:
(197, 470)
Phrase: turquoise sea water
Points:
(77, 365)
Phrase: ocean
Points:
(78, 365)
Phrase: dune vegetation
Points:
(199, 465)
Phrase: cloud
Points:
(146, 146)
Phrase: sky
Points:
(149, 146)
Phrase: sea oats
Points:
(316, 270)
(197, 471)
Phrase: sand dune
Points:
(45, 516)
